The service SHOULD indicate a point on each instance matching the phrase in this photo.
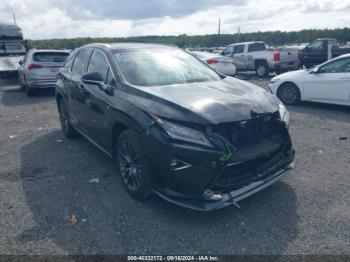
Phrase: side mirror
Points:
(20, 62)
(95, 78)
(315, 71)
(92, 78)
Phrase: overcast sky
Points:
(45, 19)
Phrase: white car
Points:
(326, 83)
(219, 63)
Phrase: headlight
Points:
(284, 114)
(274, 80)
(183, 133)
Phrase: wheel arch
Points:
(260, 61)
(121, 122)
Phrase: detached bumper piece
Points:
(227, 199)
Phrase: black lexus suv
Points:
(174, 126)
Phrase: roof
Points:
(345, 55)
(127, 45)
(248, 43)
(50, 50)
(326, 38)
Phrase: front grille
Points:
(262, 148)
(243, 174)
(250, 131)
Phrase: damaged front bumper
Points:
(227, 199)
(206, 179)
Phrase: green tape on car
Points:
(228, 155)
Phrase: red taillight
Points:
(212, 61)
(276, 57)
(34, 66)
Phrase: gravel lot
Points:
(44, 181)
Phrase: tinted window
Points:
(80, 62)
(162, 66)
(98, 63)
(256, 47)
(316, 44)
(46, 57)
(338, 66)
(239, 49)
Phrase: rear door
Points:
(78, 95)
(331, 84)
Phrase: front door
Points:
(238, 57)
(96, 106)
(330, 84)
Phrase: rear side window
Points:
(256, 47)
(80, 62)
(50, 57)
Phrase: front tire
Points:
(289, 94)
(67, 128)
(132, 164)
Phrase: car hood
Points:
(293, 74)
(215, 102)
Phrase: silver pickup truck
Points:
(255, 56)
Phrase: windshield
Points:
(166, 66)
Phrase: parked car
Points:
(173, 125)
(221, 64)
(39, 69)
(255, 56)
(317, 52)
(327, 83)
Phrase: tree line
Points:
(273, 38)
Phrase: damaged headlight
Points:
(284, 114)
(183, 133)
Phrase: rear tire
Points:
(20, 83)
(262, 69)
(132, 164)
(67, 128)
(289, 94)
(29, 92)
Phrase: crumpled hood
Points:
(227, 100)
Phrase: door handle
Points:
(81, 87)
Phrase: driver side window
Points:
(98, 63)
(338, 66)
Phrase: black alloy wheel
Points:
(132, 164)
(67, 127)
